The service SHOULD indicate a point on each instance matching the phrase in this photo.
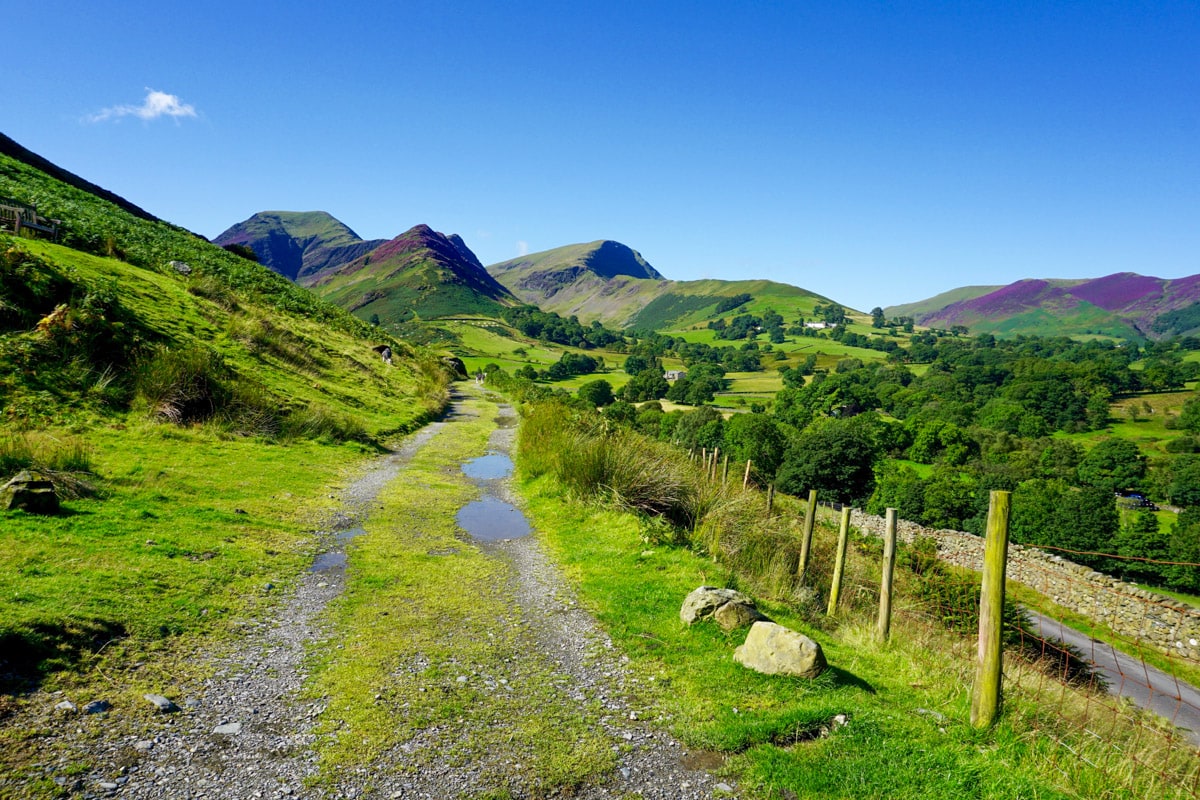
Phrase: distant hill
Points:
(1122, 305)
(610, 282)
(420, 272)
(921, 308)
(602, 280)
(298, 244)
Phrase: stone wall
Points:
(1136, 614)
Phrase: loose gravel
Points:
(246, 733)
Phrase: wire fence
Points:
(1100, 674)
(1104, 670)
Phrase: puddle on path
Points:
(335, 560)
(491, 519)
(492, 467)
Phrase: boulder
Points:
(732, 616)
(703, 602)
(31, 492)
(728, 608)
(775, 650)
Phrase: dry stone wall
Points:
(1161, 622)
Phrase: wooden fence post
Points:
(810, 518)
(840, 562)
(725, 470)
(712, 470)
(985, 695)
(746, 477)
(884, 626)
(770, 498)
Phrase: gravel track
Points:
(248, 734)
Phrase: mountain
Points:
(298, 244)
(603, 280)
(612, 283)
(420, 272)
(1122, 305)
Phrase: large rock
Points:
(702, 603)
(456, 367)
(728, 608)
(29, 491)
(732, 616)
(774, 650)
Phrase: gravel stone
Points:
(200, 753)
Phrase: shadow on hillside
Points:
(29, 654)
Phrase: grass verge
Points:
(907, 702)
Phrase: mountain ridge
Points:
(1122, 304)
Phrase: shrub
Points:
(182, 385)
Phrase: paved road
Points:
(1128, 677)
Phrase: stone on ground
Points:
(775, 650)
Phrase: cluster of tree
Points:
(550, 327)
(1025, 387)
(568, 365)
(748, 326)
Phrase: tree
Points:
(648, 384)
(1049, 512)
(877, 318)
(1138, 540)
(1183, 547)
(900, 487)
(834, 456)
(1113, 465)
(703, 427)
(755, 438)
(596, 393)
(947, 500)
(1189, 417)
(1184, 487)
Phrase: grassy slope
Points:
(163, 553)
(907, 702)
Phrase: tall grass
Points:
(192, 385)
(680, 504)
(43, 452)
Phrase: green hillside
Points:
(171, 392)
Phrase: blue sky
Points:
(876, 153)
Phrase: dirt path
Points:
(248, 733)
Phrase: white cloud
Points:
(157, 104)
(522, 248)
